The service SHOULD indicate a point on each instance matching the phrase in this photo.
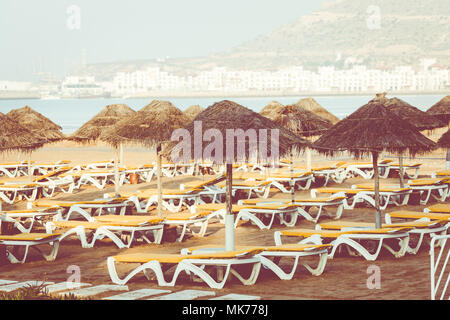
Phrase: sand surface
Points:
(344, 277)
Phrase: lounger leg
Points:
(13, 259)
(320, 266)
(305, 214)
(339, 211)
(356, 246)
(404, 242)
(188, 266)
(253, 275)
(292, 221)
(153, 265)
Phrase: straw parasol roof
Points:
(14, 136)
(151, 125)
(420, 119)
(193, 111)
(105, 119)
(271, 107)
(312, 105)
(373, 128)
(444, 141)
(441, 109)
(37, 123)
(297, 119)
(227, 114)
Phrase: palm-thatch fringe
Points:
(420, 119)
(193, 111)
(149, 126)
(373, 128)
(444, 141)
(15, 137)
(312, 105)
(297, 119)
(441, 109)
(37, 123)
(105, 119)
(228, 115)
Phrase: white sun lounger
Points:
(25, 220)
(9, 193)
(172, 199)
(430, 188)
(224, 264)
(122, 230)
(271, 256)
(441, 174)
(262, 215)
(388, 195)
(420, 228)
(27, 241)
(10, 170)
(305, 205)
(364, 169)
(46, 168)
(189, 220)
(351, 239)
(438, 208)
(97, 178)
(395, 167)
(86, 209)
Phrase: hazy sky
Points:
(48, 35)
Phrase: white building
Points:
(80, 86)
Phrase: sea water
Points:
(71, 114)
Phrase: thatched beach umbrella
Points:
(298, 120)
(236, 134)
(421, 120)
(151, 126)
(312, 105)
(441, 109)
(193, 111)
(15, 137)
(444, 142)
(372, 129)
(102, 121)
(38, 124)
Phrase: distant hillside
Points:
(408, 30)
(341, 33)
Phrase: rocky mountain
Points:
(378, 33)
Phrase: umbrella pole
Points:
(291, 167)
(159, 173)
(121, 154)
(401, 174)
(308, 159)
(29, 167)
(116, 172)
(229, 218)
(447, 162)
(377, 190)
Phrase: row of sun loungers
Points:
(203, 201)
(325, 242)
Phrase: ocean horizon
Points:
(71, 114)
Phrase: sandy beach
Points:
(344, 277)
